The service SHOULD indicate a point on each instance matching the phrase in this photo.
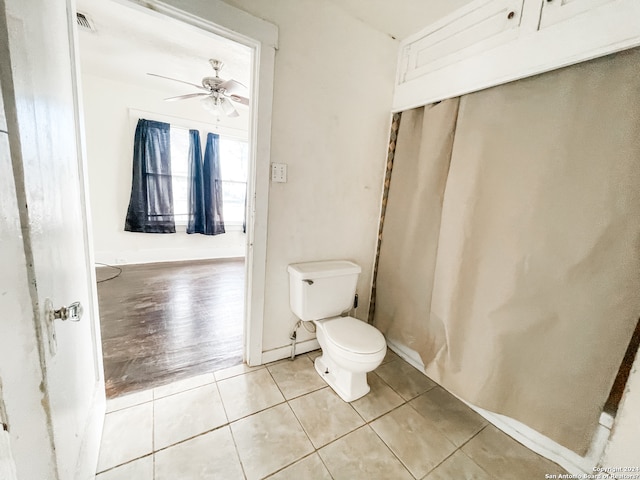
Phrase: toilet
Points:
(320, 292)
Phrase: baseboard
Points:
(285, 352)
(532, 439)
(167, 255)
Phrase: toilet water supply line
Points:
(293, 334)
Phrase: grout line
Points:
(123, 464)
(296, 461)
(473, 436)
(235, 445)
(474, 462)
(315, 449)
(276, 384)
(224, 409)
(129, 406)
(153, 436)
(394, 453)
(325, 465)
(192, 437)
(182, 391)
(287, 401)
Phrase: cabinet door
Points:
(480, 26)
(555, 11)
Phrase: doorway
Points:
(150, 285)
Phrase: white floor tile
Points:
(130, 400)
(211, 456)
(234, 371)
(141, 469)
(269, 440)
(183, 385)
(309, 468)
(127, 435)
(187, 414)
(249, 393)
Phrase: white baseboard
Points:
(532, 439)
(167, 255)
(285, 352)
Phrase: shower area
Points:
(509, 253)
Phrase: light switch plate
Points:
(279, 172)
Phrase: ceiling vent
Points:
(84, 22)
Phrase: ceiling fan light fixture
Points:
(212, 105)
(228, 108)
(217, 92)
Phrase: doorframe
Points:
(262, 37)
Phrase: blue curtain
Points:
(214, 221)
(151, 202)
(196, 222)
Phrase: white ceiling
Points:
(130, 42)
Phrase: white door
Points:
(42, 124)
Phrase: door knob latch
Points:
(73, 312)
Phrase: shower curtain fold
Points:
(517, 275)
(412, 224)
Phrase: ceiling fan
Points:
(217, 94)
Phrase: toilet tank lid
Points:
(329, 268)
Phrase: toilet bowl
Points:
(350, 349)
(319, 293)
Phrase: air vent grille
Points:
(84, 22)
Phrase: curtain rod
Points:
(190, 123)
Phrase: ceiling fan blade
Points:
(181, 81)
(233, 87)
(239, 99)
(184, 97)
(228, 108)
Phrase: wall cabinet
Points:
(473, 30)
(554, 11)
(489, 42)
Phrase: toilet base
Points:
(348, 385)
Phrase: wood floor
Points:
(167, 321)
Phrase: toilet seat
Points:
(352, 336)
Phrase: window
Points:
(234, 156)
(234, 164)
(180, 174)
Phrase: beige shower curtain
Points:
(510, 256)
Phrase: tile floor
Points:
(281, 421)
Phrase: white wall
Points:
(623, 449)
(109, 137)
(331, 116)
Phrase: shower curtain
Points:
(510, 255)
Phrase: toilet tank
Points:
(322, 289)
